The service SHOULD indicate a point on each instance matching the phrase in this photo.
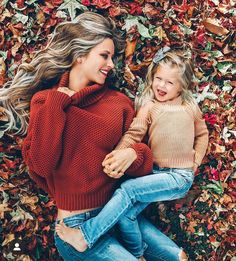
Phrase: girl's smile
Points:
(166, 85)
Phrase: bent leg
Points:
(130, 232)
(160, 247)
(165, 185)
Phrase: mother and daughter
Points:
(76, 120)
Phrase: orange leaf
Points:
(130, 47)
(2, 80)
(214, 27)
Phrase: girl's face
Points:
(94, 67)
(166, 84)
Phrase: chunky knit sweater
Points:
(68, 138)
(178, 136)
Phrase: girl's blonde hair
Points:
(173, 59)
(69, 41)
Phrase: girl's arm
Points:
(43, 144)
(137, 129)
(130, 154)
(201, 137)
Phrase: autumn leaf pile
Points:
(204, 222)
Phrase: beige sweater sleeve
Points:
(201, 136)
(135, 133)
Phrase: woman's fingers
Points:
(66, 90)
(108, 159)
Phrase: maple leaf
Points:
(131, 21)
(71, 6)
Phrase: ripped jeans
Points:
(158, 247)
(130, 199)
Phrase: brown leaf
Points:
(3, 208)
(40, 17)
(2, 80)
(2, 39)
(130, 47)
(214, 27)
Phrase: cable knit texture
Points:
(178, 135)
(68, 138)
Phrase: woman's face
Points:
(95, 66)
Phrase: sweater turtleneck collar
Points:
(86, 96)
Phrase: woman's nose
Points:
(111, 63)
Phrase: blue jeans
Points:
(108, 248)
(133, 196)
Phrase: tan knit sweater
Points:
(178, 136)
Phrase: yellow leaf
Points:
(3, 208)
(159, 32)
(8, 238)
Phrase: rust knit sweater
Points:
(68, 138)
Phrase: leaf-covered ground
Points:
(204, 222)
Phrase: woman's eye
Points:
(105, 56)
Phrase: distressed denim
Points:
(158, 246)
(131, 198)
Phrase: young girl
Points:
(178, 138)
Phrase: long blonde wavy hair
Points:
(173, 59)
(69, 41)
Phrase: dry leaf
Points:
(213, 26)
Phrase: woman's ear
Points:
(79, 60)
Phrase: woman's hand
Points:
(118, 161)
(66, 90)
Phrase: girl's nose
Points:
(162, 83)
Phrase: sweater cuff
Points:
(198, 159)
(58, 99)
(140, 157)
(144, 163)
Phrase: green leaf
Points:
(216, 54)
(224, 67)
(71, 6)
(18, 17)
(205, 94)
(1, 134)
(185, 29)
(216, 187)
(131, 21)
(4, 3)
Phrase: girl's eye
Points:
(170, 83)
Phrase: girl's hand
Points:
(66, 90)
(118, 161)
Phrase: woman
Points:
(74, 121)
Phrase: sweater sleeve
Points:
(133, 136)
(201, 136)
(43, 144)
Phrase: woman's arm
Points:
(43, 144)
